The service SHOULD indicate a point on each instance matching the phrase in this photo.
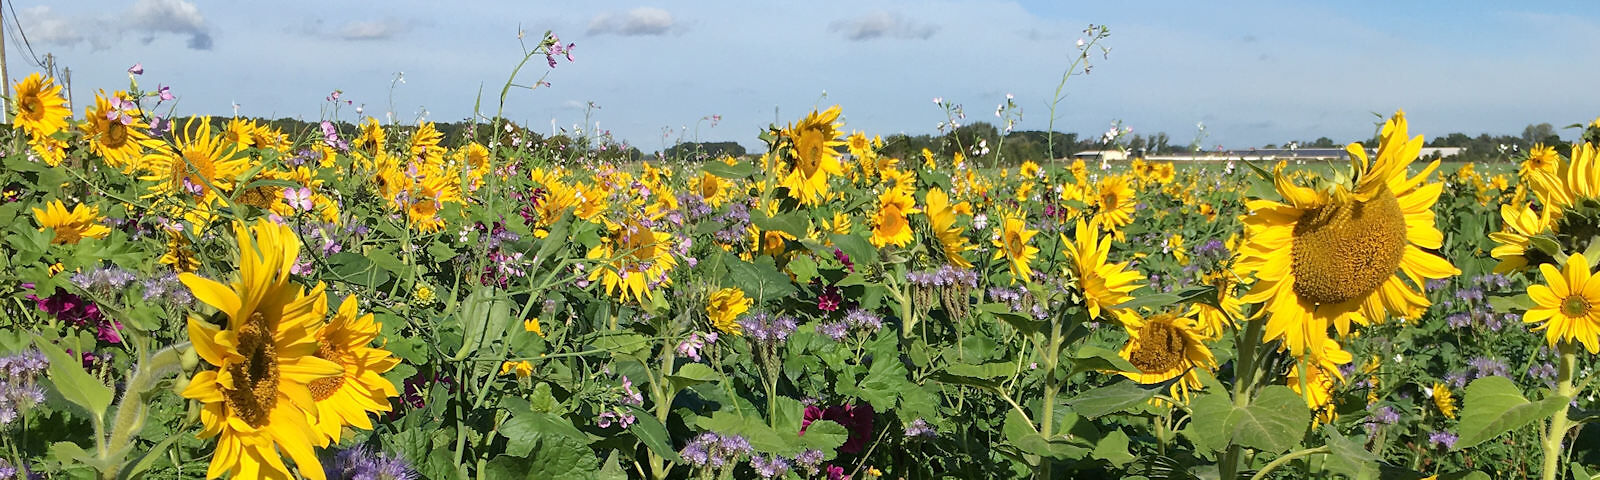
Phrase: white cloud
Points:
(639, 21)
(151, 17)
(373, 29)
(881, 24)
(47, 27)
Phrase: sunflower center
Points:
(1160, 348)
(31, 106)
(256, 377)
(325, 387)
(1014, 245)
(1575, 306)
(1346, 249)
(116, 136)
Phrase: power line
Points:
(15, 21)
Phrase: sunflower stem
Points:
(1244, 376)
(1558, 422)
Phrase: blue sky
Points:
(1253, 72)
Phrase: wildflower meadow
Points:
(353, 298)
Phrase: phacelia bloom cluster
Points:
(944, 276)
(919, 428)
(103, 280)
(361, 463)
(713, 450)
(769, 467)
(767, 329)
(19, 389)
(856, 320)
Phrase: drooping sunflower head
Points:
(39, 108)
(70, 226)
(1104, 285)
(725, 307)
(942, 217)
(1342, 253)
(1165, 346)
(372, 136)
(424, 145)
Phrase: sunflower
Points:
(179, 254)
(1165, 346)
(1330, 257)
(1541, 158)
(859, 145)
(1104, 285)
(636, 260)
(258, 402)
(889, 224)
(1567, 304)
(198, 163)
(240, 131)
(345, 400)
(51, 150)
(41, 111)
(427, 197)
(1520, 225)
(712, 189)
(372, 137)
(815, 155)
(1213, 321)
(121, 144)
(725, 307)
(1315, 377)
(424, 145)
(943, 219)
(70, 226)
(1115, 201)
(1013, 242)
(1443, 399)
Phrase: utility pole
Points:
(5, 81)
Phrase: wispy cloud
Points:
(880, 24)
(153, 17)
(373, 29)
(636, 22)
(48, 27)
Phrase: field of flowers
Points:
(220, 298)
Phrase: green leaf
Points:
(1547, 244)
(562, 457)
(759, 279)
(1114, 448)
(1348, 457)
(736, 171)
(859, 249)
(1023, 323)
(792, 223)
(1275, 421)
(483, 316)
(1494, 406)
(825, 435)
(1090, 358)
(74, 384)
(693, 374)
(524, 430)
(803, 268)
(356, 268)
(1160, 300)
(654, 435)
(1114, 398)
(884, 382)
(983, 372)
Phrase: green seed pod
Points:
(189, 359)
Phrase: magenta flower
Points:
(299, 198)
(137, 69)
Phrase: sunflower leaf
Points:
(74, 384)
(1114, 398)
(1494, 406)
(735, 171)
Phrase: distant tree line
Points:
(973, 140)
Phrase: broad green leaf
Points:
(1159, 300)
(692, 374)
(1110, 399)
(1349, 457)
(74, 384)
(884, 382)
(793, 223)
(759, 279)
(1275, 421)
(825, 435)
(562, 457)
(1114, 448)
(1090, 358)
(524, 430)
(861, 251)
(983, 372)
(1494, 406)
(483, 316)
(654, 435)
(736, 171)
